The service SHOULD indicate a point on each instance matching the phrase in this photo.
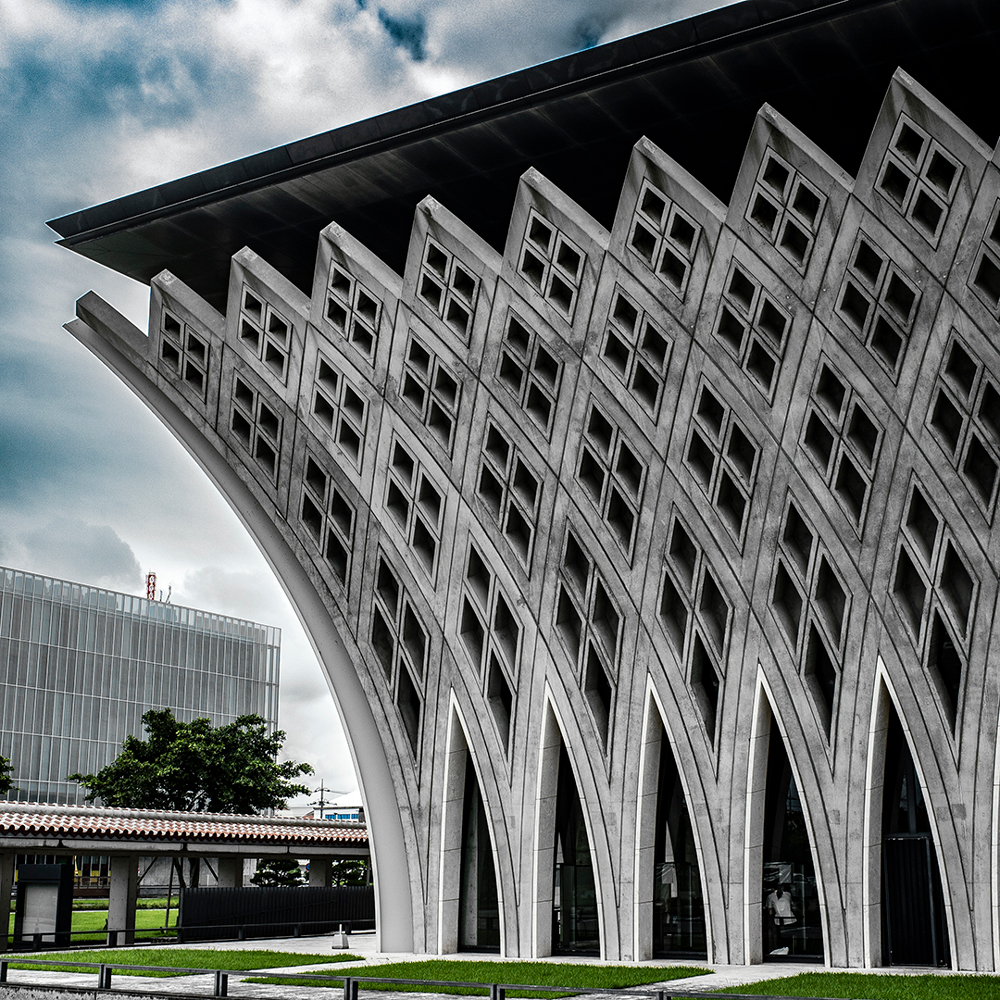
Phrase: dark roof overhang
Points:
(693, 87)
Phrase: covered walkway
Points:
(126, 835)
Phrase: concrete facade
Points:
(722, 476)
(80, 665)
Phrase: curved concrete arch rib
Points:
(121, 346)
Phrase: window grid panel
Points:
(184, 353)
(919, 178)
(552, 264)
(879, 303)
(842, 439)
(964, 415)
(530, 372)
(353, 310)
(723, 458)
(329, 517)
(491, 634)
(664, 238)
(612, 475)
(448, 288)
(511, 491)
(415, 506)
(341, 410)
(753, 328)
(590, 626)
(432, 392)
(935, 592)
(696, 616)
(400, 644)
(256, 426)
(984, 278)
(636, 351)
(265, 333)
(785, 208)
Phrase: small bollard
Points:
(243, 933)
(339, 939)
(3, 972)
(221, 984)
(104, 977)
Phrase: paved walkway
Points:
(363, 944)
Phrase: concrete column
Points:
(6, 885)
(121, 904)
(230, 873)
(320, 871)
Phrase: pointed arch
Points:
(457, 759)
(765, 720)
(885, 700)
(655, 731)
(552, 747)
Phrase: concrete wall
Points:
(732, 449)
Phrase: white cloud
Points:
(99, 100)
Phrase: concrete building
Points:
(80, 665)
(645, 529)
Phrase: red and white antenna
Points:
(150, 586)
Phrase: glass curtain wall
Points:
(791, 922)
(678, 906)
(479, 902)
(80, 665)
(575, 928)
(913, 923)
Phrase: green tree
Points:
(280, 871)
(6, 783)
(198, 767)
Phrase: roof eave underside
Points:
(693, 87)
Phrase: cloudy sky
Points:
(99, 98)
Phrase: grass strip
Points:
(183, 958)
(875, 986)
(528, 973)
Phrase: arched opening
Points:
(479, 900)
(575, 920)
(914, 930)
(791, 922)
(470, 901)
(678, 904)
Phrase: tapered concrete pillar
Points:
(320, 871)
(6, 885)
(121, 904)
(230, 873)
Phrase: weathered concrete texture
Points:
(722, 465)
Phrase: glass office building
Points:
(80, 665)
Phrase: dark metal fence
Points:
(272, 911)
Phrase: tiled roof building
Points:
(654, 566)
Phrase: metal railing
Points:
(352, 984)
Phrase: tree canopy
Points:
(195, 766)
(6, 782)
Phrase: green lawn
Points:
(146, 921)
(876, 986)
(523, 973)
(182, 958)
